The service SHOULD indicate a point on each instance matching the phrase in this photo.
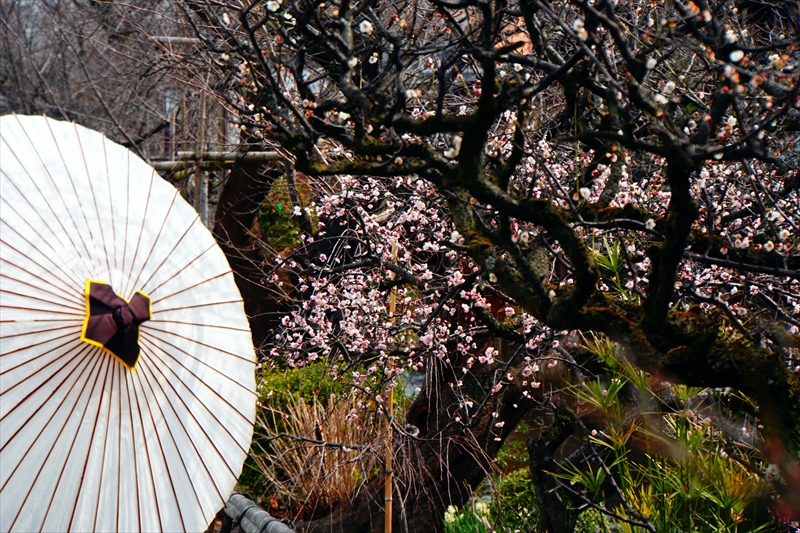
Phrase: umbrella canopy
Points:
(127, 390)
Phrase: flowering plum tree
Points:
(521, 173)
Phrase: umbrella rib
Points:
(57, 266)
(30, 205)
(11, 439)
(57, 190)
(67, 284)
(159, 233)
(215, 326)
(161, 447)
(63, 297)
(15, 385)
(182, 307)
(172, 436)
(141, 231)
(94, 199)
(38, 310)
(154, 347)
(119, 434)
(147, 451)
(72, 275)
(198, 284)
(109, 253)
(127, 210)
(107, 366)
(60, 432)
(77, 197)
(168, 254)
(35, 320)
(115, 363)
(36, 332)
(69, 334)
(119, 426)
(127, 390)
(28, 296)
(202, 381)
(177, 272)
(149, 327)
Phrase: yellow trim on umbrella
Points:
(84, 338)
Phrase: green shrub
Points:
(517, 511)
(516, 502)
(692, 475)
(689, 474)
(277, 387)
(473, 518)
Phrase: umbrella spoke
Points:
(52, 187)
(73, 399)
(54, 266)
(172, 449)
(190, 393)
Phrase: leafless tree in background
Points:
(94, 62)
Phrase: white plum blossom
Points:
(580, 29)
(365, 27)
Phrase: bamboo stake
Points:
(230, 156)
(387, 491)
(200, 178)
(213, 160)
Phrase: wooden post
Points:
(200, 178)
(388, 487)
(173, 130)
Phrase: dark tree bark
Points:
(558, 509)
(237, 232)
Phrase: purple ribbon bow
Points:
(114, 323)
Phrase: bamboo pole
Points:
(168, 39)
(230, 156)
(213, 160)
(200, 177)
(388, 487)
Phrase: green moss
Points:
(276, 218)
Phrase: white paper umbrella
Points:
(88, 441)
